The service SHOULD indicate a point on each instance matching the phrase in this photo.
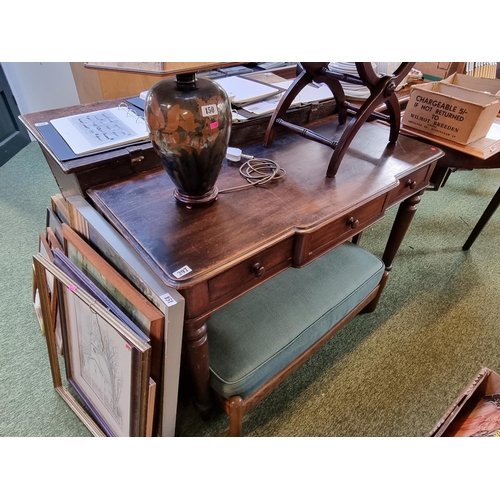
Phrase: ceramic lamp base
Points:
(189, 122)
(192, 201)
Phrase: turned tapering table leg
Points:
(402, 222)
(196, 357)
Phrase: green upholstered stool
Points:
(261, 337)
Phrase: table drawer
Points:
(409, 184)
(346, 225)
(252, 271)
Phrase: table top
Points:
(209, 240)
(483, 148)
(242, 133)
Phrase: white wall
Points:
(38, 86)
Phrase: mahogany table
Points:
(480, 154)
(214, 254)
(76, 175)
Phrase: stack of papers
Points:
(358, 92)
(309, 94)
(260, 94)
(242, 90)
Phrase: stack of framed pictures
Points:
(110, 336)
(99, 233)
(107, 363)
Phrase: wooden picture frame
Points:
(137, 307)
(52, 240)
(54, 226)
(107, 364)
(45, 249)
(36, 303)
(97, 232)
(149, 319)
(60, 207)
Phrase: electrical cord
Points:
(258, 171)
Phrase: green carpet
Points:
(390, 373)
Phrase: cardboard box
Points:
(476, 412)
(455, 113)
(490, 85)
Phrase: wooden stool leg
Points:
(364, 112)
(393, 109)
(286, 101)
(235, 412)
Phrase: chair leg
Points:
(235, 412)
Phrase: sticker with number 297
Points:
(209, 110)
(182, 271)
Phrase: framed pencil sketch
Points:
(139, 309)
(107, 364)
(104, 366)
(149, 319)
(98, 232)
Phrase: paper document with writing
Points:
(310, 93)
(307, 95)
(266, 78)
(267, 105)
(242, 90)
(102, 129)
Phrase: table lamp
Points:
(189, 123)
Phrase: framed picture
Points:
(45, 250)
(60, 207)
(107, 363)
(54, 223)
(134, 305)
(36, 303)
(52, 239)
(97, 231)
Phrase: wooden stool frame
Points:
(382, 90)
(236, 407)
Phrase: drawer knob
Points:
(138, 159)
(353, 222)
(258, 270)
(411, 184)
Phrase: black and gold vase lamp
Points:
(189, 123)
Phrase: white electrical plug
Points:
(235, 154)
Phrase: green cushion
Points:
(255, 336)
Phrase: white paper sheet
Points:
(102, 129)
